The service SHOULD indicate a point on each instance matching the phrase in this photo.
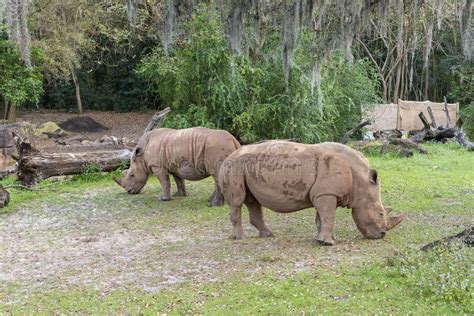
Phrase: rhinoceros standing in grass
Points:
(187, 154)
(286, 177)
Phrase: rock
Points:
(50, 130)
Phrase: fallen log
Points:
(461, 137)
(8, 150)
(34, 165)
(155, 120)
(433, 121)
(4, 197)
(31, 168)
(424, 120)
(448, 125)
(442, 134)
(349, 134)
(408, 145)
(466, 237)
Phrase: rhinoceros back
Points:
(280, 174)
(189, 153)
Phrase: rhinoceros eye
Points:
(132, 175)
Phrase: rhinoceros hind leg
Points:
(216, 198)
(318, 222)
(326, 213)
(180, 186)
(236, 219)
(256, 218)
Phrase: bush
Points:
(18, 83)
(206, 86)
(467, 114)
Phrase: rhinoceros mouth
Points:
(378, 235)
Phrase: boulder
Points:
(50, 130)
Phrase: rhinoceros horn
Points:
(394, 221)
(118, 181)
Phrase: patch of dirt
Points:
(96, 239)
(128, 125)
(83, 124)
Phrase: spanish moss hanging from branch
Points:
(289, 36)
(131, 8)
(170, 20)
(17, 23)
(465, 22)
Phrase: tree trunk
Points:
(78, 91)
(10, 112)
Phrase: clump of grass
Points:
(443, 274)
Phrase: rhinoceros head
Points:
(370, 216)
(136, 176)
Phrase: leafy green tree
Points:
(18, 83)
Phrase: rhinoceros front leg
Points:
(326, 214)
(181, 188)
(256, 218)
(163, 176)
(216, 198)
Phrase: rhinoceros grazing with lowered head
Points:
(286, 177)
(186, 154)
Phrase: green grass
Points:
(380, 288)
(262, 276)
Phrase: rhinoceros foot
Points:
(325, 240)
(180, 194)
(266, 234)
(216, 202)
(217, 199)
(236, 237)
(165, 198)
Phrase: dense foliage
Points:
(207, 86)
(261, 69)
(18, 83)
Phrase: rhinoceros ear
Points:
(138, 152)
(373, 176)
